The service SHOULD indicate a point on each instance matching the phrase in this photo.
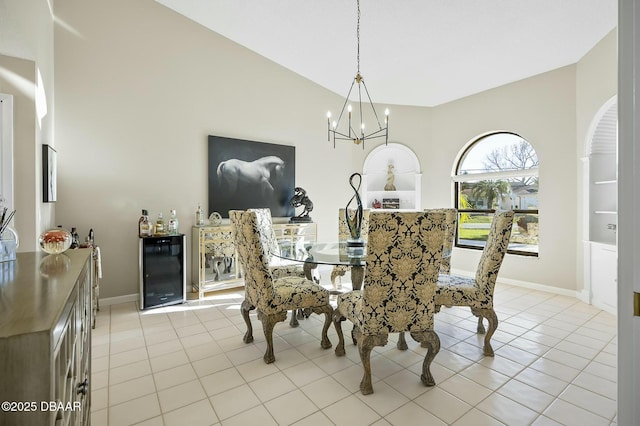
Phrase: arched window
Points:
(497, 171)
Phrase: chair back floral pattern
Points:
(272, 298)
(257, 278)
(455, 290)
(403, 258)
(267, 233)
(450, 235)
(493, 253)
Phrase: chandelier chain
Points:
(358, 37)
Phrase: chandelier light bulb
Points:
(349, 108)
(329, 114)
(386, 112)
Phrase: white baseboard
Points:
(119, 299)
(584, 296)
(600, 304)
(540, 287)
(527, 284)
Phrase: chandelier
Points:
(358, 134)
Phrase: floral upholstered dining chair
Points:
(272, 298)
(403, 258)
(477, 293)
(449, 237)
(451, 220)
(279, 267)
(339, 271)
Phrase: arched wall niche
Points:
(405, 176)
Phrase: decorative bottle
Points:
(160, 225)
(199, 216)
(144, 226)
(173, 223)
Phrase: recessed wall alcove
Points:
(407, 177)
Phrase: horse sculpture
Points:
(300, 199)
(257, 173)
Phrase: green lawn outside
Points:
(473, 234)
(478, 218)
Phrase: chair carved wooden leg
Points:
(294, 318)
(492, 318)
(268, 322)
(430, 340)
(337, 323)
(365, 346)
(245, 308)
(328, 314)
(481, 329)
(402, 342)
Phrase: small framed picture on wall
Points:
(49, 172)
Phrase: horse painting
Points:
(244, 174)
(257, 174)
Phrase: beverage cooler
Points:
(163, 277)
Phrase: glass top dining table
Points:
(333, 253)
(330, 253)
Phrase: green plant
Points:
(464, 204)
(491, 190)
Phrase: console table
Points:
(45, 338)
(214, 263)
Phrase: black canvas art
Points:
(246, 174)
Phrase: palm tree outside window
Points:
(498, 170)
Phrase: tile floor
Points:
(555, 363)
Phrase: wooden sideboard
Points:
(45, 339)
(214, 263)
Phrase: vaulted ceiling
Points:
(412, 52)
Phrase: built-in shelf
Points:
(406, 177)
(603, 202)
(600, 251)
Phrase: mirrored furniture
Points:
(214, 264)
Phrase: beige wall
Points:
(542, 110)
(139, 88)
